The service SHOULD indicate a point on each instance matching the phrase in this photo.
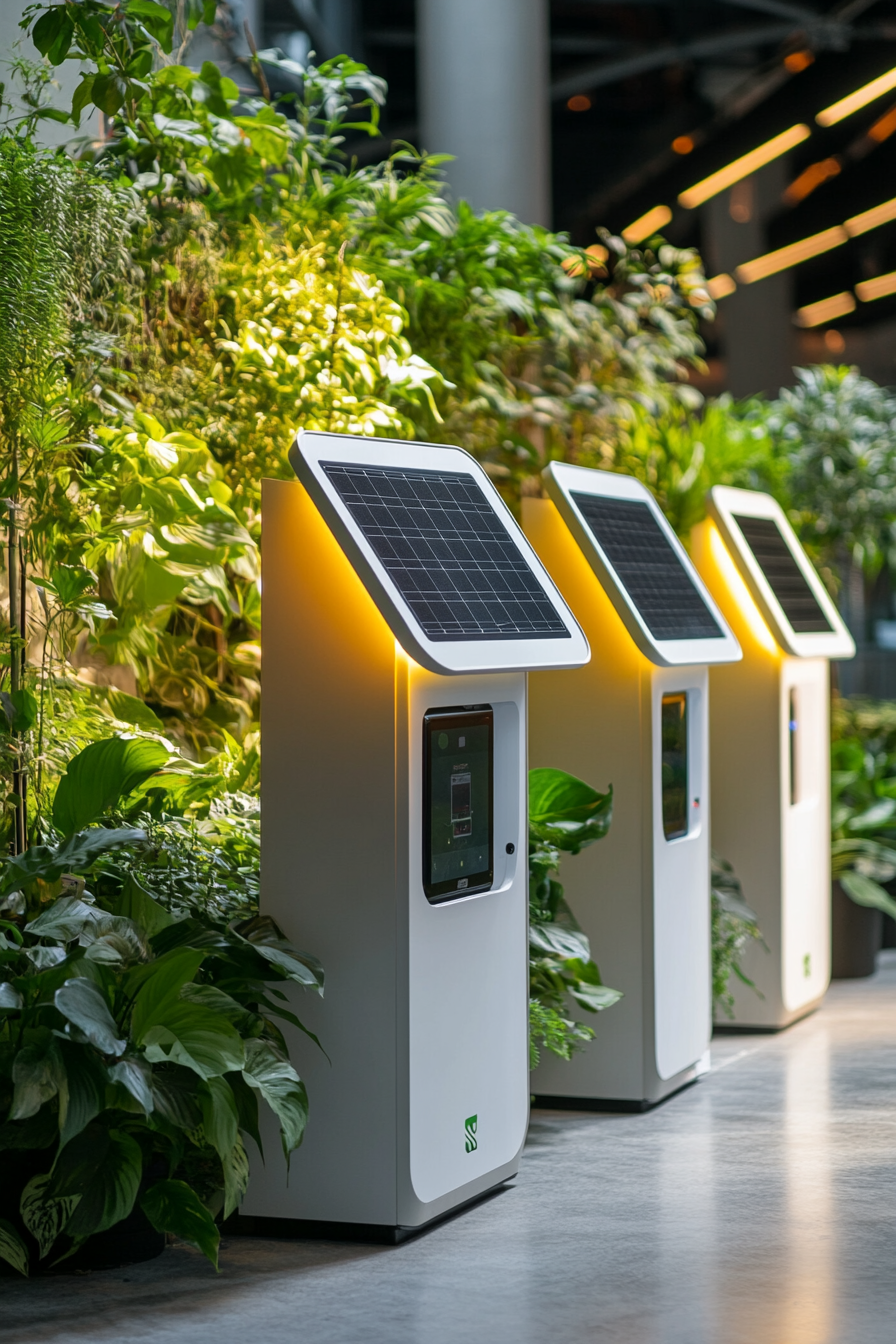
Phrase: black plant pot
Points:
(856, 936)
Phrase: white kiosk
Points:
(770, 729)
(636, 718)
(402, 608)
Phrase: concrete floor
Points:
(758, 1207)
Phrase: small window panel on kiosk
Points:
(642, 566)
(779, 575)
(458, 783)
(674, 722)
(439, 553)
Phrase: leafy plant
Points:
(565, 815)
(135, 1045)
(863, 801)
(733, 926)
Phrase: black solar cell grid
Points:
(448, 553)
(648, 568)
(786, 580)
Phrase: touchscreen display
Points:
(675, 765)
(457, 802)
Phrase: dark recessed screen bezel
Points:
(439, 720)
(657, 584)
(815, 621)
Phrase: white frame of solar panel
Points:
(312, 447)
(562, 481)
(724, 502)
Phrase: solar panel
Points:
(447, 552)
(646, 565)
(786, 579)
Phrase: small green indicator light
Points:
(443, 740)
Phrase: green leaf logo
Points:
(470, 1127)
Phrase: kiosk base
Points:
(370, 1234)
(611, 1104)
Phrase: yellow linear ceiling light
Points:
(877, 288)
(829, 116)
(647, 225)
(720, 286)
(791, 255)
(743, 167)
(870, 219)
(825, 310)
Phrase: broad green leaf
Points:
(219, 1116)
(75, 855)
(53, 33)
(44, 1218)
(10, 998)
(195, 1037)
(247, 1108)
(236, 1177)
(207, 996)
(171, 1206)
(282, 1089)
(104, 1167)
(137, 904)
(130, 709)
(865, 891)
(136, 1076)
(558, 940)
(101, 775)
(86, 1091)
(12, 1248)
(38, 1074)
(82, 1004)
(595, 997)
(175, 1095)
(156, 19)
(160, 982)
(64, 920)
(20, 708)
(267, 939)
(565, 811)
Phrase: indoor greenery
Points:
(565, 815)
(137, 1034)
(863, 800)
(733, 926)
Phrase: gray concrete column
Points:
(483, 68)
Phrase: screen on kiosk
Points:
(458, 782)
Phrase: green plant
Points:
(837, 429)
(733, 926)
(136, 1037)
(863, 801)
(565, 815)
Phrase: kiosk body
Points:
(642, 893)
(422, 1104)
(770, 753)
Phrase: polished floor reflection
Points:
(758, 1207)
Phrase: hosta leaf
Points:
(37, 1074)
(195, 1037)
(282, 1089)
(45, 1218)
(236, 1177)
(12, 1248)
(103, 1166)
(171, 1206)
(159, 983)
(65, 920)
(83, 1005)
(136, 1076)
(175, 1094)
(86, 1091)
(219, 1116)
(99, 776)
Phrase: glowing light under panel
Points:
(878, 287)
(825, 310)
(743, 167)
(829, 116)
(791, 255)
(648, 224)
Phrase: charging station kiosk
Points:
(637, 718)
(402, 609)
(770, 760)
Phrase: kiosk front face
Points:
(403, 604)
(771, 744)
(636, 717)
